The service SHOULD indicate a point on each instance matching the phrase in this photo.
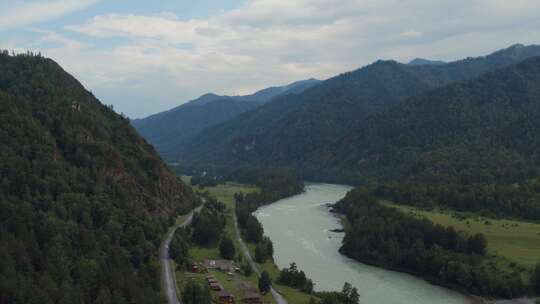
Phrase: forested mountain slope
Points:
(473, 145)
(302, 131)
(84, 200)
(169, 130)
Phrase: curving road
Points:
(167, 272)
(277, 296)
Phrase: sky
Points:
(144, 56)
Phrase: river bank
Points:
(225, 193)
(300, 228)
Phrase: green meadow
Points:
(515, 240)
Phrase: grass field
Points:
(225, 194)
(517, 241)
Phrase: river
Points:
(300, 226)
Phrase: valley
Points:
(300, 228)
(206, 203)
(225, 193)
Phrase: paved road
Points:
(167, 273)
(278, 297)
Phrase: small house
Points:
(215, 286)
(223, 265)
(252, 298)
(225, 297)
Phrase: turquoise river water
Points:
(300, 226)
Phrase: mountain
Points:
(168, 130)
(84, 200)
(304, 131)
(470, 146)
(422, 61)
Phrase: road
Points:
(167, 272)
(278, 297)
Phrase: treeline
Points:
(348, 295)
(293, 277)
(275, 184)
(196, 293)
(389, 238)
(84, 201)
(208, 224)
(253, 231)
(496, 200)
(204, 181)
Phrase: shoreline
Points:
(473, 299)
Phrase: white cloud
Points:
(167, 60)
(21, 13)
(411, 34)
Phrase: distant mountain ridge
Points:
(422, 61)
(305, 131)
(168, 130)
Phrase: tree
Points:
(354, 297)
(265, 282)
(350, 294)
(254, 230)
(226, 248)
(246, 269)
(535, 279)
(308, 286)
(478, 244)
(260, 253)
(194, 293)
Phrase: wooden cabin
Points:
(215, 286)
(225, 298)
(252, 298)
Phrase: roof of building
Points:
(223, 293)
(252, 295)
(222, 264)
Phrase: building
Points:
(215, 286)
(252, 297)
(225, 298)
(223, 265)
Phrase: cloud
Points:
(411, 34)
(21, 13)
(161, 60)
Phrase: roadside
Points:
(245, 251)
(167, 272)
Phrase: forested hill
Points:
(471, 146)
(169, 130)
(302, 131)
(84, 200)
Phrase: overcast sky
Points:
(146, 56)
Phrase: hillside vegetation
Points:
(84, 200)
(169, 131)
(470, 146)
(316, 132)
(387, 237)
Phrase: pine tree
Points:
(265, 282)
